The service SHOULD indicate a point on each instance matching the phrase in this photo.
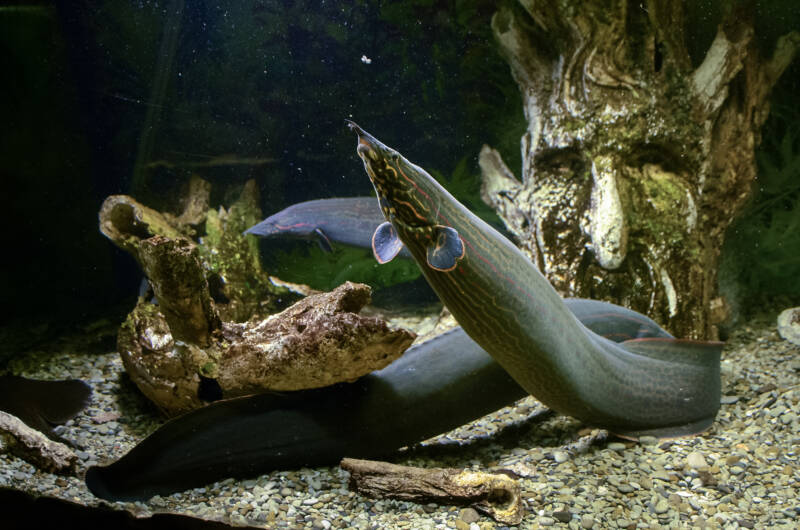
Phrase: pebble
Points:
(563, 516)
(469, 515)
(742, 472)
(695, 460)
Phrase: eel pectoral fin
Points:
(445, 250)
(385, 243)
(324, 242)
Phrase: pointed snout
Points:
(368, 145)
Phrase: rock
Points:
(563, 516)
(695, 460)
(560, 456)
(587, 521)
(31, 445)
(789, 325)
(469, 515)
(319, 341)
(662, 506)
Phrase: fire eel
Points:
(653, 386)
(604, 364)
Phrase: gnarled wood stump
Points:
(634, 161)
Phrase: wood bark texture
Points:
(214, 332)
(634, 160)
(494, 494)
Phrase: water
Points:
(137, 98)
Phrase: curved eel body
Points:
(43, 404)
(655, 386)
(434, 387)
(350, 220)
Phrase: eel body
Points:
(663, 386)
(348, 220)
(434, 387)
(43, 404)
(655, 386)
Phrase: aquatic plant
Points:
(464, 183)
(763, 246)
(308, 264)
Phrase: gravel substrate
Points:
(743, 472)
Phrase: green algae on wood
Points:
(233, 257)
(610, 91)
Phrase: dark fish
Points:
(434, 387)
(43, 404)
(350, 221)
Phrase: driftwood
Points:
(634, 161)
(212, 334)
(494, 494)
(231, 263)
(179, 284)
(34, 446)
(789, 325)
(319, 341)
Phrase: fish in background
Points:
(42, 405)
(350, 221)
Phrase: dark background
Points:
(95, 92)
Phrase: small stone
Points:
(616, 446)
(469, 515)
(546, 521)
(662, 506)
(728, 400)
(661, 474)
(587, 521)
(695, 460)
(461, 525)
(560, 456)
(563, 516)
